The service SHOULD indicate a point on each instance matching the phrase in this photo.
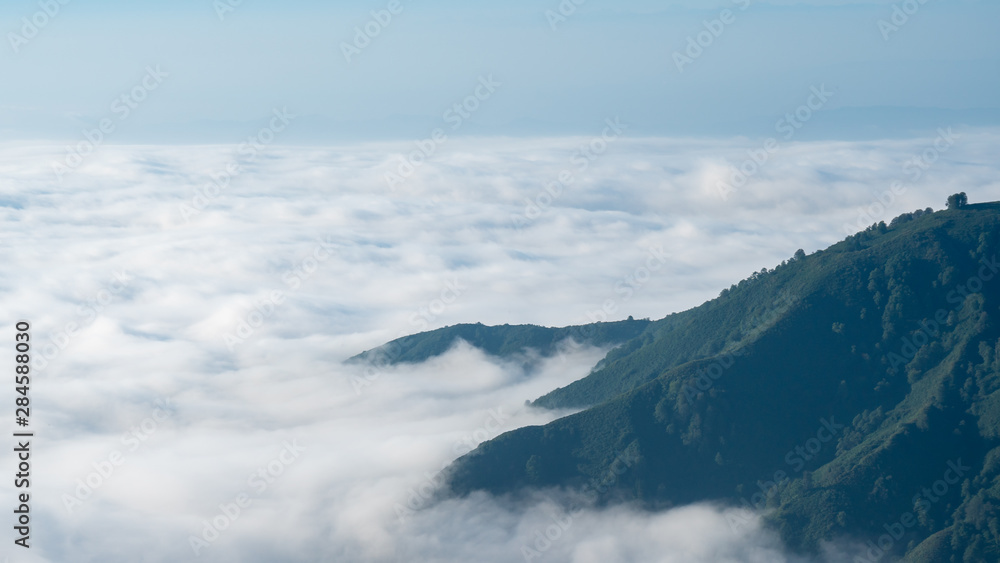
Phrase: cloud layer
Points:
(189, 363)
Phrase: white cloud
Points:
(439, 250)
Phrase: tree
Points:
(800, 254)
(958, 201)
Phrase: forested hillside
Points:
(855, 391)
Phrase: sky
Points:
(229, 63)
(207, 207)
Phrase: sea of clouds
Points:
(189, 393)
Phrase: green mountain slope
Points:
(856, 392)
(507, 341)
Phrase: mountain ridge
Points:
(831, 391)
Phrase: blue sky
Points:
(942, 67)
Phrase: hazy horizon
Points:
(226, 65)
